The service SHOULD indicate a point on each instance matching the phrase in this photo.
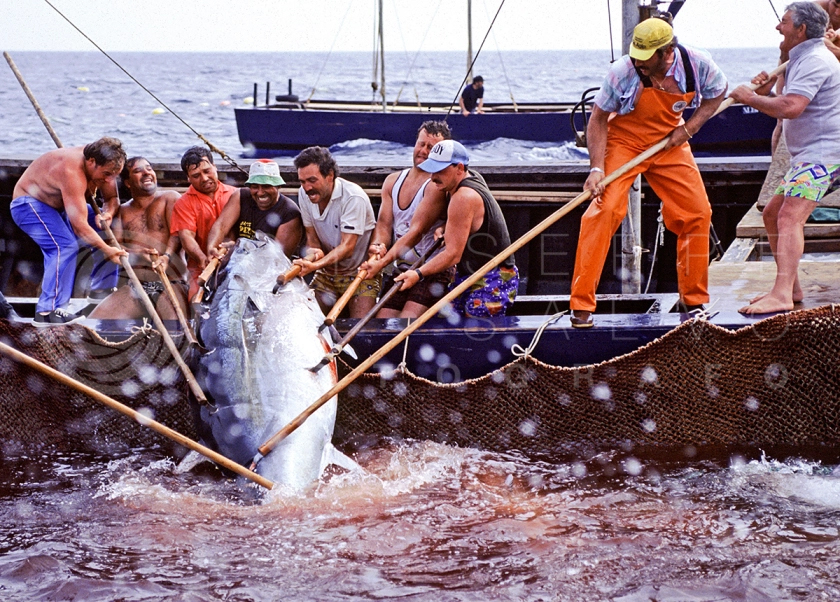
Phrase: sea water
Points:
(426, 521)
(85, 95)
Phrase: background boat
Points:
(289, 124)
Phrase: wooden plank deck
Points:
(732, 285)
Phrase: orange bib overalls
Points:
(673, 176)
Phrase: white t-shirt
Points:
(349, 211)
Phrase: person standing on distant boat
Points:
(142, 227)
(50, 205)
(411, 210)
(260, 207)
(808, 106)
(472, 98)
(196, 211)
(338, 219)
(475, 232)
(640, 103)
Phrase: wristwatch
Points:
(419, 275)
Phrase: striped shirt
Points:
(623, 86)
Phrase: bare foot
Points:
(798, 296)
(767, 305)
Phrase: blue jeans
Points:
(52, 231)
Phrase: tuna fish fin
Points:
(190, 461)
(332, 456)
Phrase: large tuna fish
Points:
(261, 345)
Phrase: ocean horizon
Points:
(85, 96)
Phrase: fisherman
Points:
(338, 219)
(196, 211)
(808, 106)
(142, 227)
(261, 207)
(472, 98)
(411, 211)
(475, 231)
(641, 102)
(50, 206)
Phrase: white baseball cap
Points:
(444, 154)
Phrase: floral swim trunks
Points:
(811, 181)
(491, 295)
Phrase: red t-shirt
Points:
(196, 212)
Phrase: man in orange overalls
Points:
(640, 103)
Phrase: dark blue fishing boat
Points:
(291, 126)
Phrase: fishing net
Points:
(776, 382)
(138, 372)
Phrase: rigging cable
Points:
(416, 54)
(609, 24)
(774, 9)
(475, 58)
(326, 60)
(209, 144)
(502, 62)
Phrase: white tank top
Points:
(402, 221)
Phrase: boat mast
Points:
(382, 58)
(469, 40)
(631, 235)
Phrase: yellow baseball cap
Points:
(648, 36)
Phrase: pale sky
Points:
(317, 25)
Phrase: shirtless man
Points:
(142, 227)
(412, 209)
(50, 206)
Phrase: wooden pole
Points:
(339, 347)
(204, 277)
(176, 304)
(342, 302)
(131, 413)
(287, 430)
(31, 98)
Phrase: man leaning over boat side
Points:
(260, 207)
(640, 103)
(338, 219)
(808, 106)
(412, 209)
(141, 226)
(196, 211)
(472, 97)
(50, 206)
(832, 42)
(475, 231)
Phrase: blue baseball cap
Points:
(444, 154)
